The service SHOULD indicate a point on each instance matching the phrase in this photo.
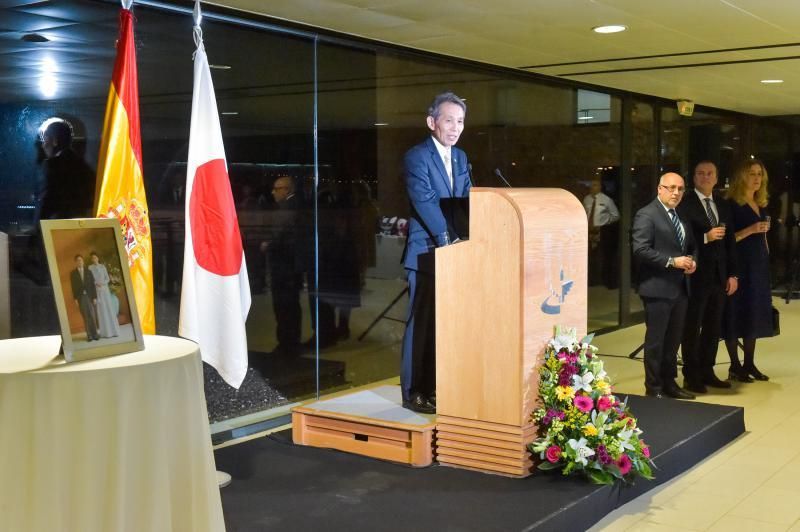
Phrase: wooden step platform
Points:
(371, 423)
(483, 446)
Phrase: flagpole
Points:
(223, 479)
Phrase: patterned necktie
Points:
(676, 224)
(710, 213)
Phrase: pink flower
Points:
(604, 403)
(645, 450)
(553, 454)
(624, 464)
(583, 403)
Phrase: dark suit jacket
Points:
(716, 261)
(69, 187)
(286, 249)
(79, 287)
(426, 183)
(654, 242)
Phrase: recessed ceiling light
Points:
(771, 81)
(220, 67)
(611, 28)
(229, 113)
(381, 124)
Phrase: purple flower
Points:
(602, 455)
(552, 414)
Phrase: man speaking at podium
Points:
(434, 170)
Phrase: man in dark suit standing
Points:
(434, 170)
(707, 215)
(84, 293)
(664, 247)
(284, 251)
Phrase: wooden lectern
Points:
(498, 297)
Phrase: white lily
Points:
(583, 382)
(624, 436)
(582, 451)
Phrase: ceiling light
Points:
(611, 28)
(34, 37)
(220, 67)
(771, 81)
(585, 117)
(381, 124)
(229, 113)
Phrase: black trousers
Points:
(701, 332)
(664, 319)
(286, 305)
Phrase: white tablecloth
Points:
(108, 445)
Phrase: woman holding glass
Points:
(107, 323)
(749, 310)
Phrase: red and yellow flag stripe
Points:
(120, 185)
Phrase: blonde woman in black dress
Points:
(748, 313)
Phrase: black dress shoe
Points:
(656, 394)
(757, 375)
(739, 375)
(715, 382)
(677, 392)
(419, 403)
(694, 386)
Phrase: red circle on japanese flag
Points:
(215, 229)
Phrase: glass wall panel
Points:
(644, 175)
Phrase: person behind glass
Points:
(434, 170)
(748, 313)
(69, 181)
(708, 216)
(602, 214)
(105, 310)
(85, 295)
(664, 247)
(284, 253)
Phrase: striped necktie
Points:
(676, 224)
(710, 213)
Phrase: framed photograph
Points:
(92, 287)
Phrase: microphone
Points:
(499, 174)
(469, 173)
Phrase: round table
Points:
(112, 444)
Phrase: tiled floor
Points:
(751, 484)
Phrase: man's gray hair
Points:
(445, 97)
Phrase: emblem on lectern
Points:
(554, 300)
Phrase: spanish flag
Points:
(120, 185)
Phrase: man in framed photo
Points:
(85, 295)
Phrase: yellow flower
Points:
(602, 385)
(564, 392)
(590, 430)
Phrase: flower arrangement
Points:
(582, 425)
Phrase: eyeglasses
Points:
(674, 188)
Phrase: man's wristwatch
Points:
(671, 262)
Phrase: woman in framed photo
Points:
(107, 322)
